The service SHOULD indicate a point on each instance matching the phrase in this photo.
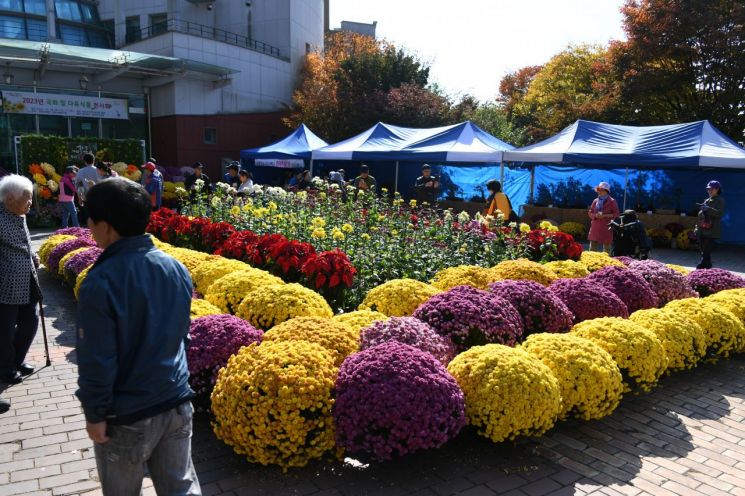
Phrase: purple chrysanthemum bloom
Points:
(540, 309)
(75, 231)
(471, 317)
(624, 259)
(667, 283)
(214, 338)
(628, 285)
(588, 300)
(78, 263)
(710, 281)
(393, 399)
(63, 249)
(411, 331)
(196, 294)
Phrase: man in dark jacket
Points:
(133, 320)
(426, 187)
(191, 181)
(709, 226)
(231, 176)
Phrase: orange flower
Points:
(131, 168)
(45, 192)
(35, 169)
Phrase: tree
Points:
(514, 86)
(574, 84)
(683, 61)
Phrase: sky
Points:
(471, 44)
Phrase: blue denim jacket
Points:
(133, 321)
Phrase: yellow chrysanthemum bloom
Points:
(359, 319)
(568, 269)
(398, 297)
(337, 234)
(590, 381)
(204, 275)
(272, 403)
(637, 351)
(318, 222)
(40, 179)
(732, 300)
(524, 228)
(79, 281)
(724, 332)
(679, 268)
(596, 260)
(200, 308)
(235, 210)
(269, 305)
(338, 338)
(190, 258)
(50, 244)
(462, 275)
(347, 228)
(576, 229)
(523, 269)
(508, 392)
(682, 338)
(227, 292)
(48, 168)
(318, 233)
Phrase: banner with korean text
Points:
(20, 102)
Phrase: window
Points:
(90, 13)
(210, 136)
(12, 27)
(133, 29)
(38, 7)
(37, 30)
(14, 5)
(98, 39)
(158, 24)
(68, 9)
(72, 35)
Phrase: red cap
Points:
(149, 166)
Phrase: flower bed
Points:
(339, 339)
(273, 304)
(360, 319)
(523, 269)
(411, 331)
(398, 297)
(709, 281)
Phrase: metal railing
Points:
(207, 32)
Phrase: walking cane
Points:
(44, 332)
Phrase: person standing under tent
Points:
(426, 187)
(603, 210)
(365, 181)
(709, 225)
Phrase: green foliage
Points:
(61, 151)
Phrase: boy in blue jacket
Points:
(133, 320)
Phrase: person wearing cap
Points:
(67, 197)
(603, 210)
(426, 187)
(231, 176)
(198, 174)
(709, 225)
(154, 185)
(364, 181)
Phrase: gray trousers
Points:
(162, 444)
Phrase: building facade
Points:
(201, 80)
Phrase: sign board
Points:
(20, 102)
(292, 163)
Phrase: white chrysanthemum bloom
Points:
(53, 186)
(232, 190)
(317, 182)
(199, 184)
(463, 217)
(334, 186)
(276, 192)
(216, 202)
(180, 191)
(222, 186)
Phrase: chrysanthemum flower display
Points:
(523, 269)
(359, 319)
(567, 269)
(636, 350)
(462, 275)
(575, 229)
(62, 249)
(724, 332)
(63, 261)
(709, 281)
(339, 339)
(589, 380)
(628, 285)
(398, 297)
(588, 300)
(732, 300)
(411, 331)
(596, 260)
(624, 259)
(682, 338)
(679, 268)
(272, 403)
(272, 304)
(79, 280)
(214, 339)
(201, 308)
(50, 244)
(394, 399)
(74, 231)
(471, 317)
(667, 284)
(190, 258)
(207, 273)
(227, 292)
(508, 391)
(540, 309)
(80, 261)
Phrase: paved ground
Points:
(687, 437)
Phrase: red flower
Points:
(329, 269)
(414, 219)
(290, 255)
(240, 246)
(214, 235)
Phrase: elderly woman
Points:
(602, 211)
(19, 284)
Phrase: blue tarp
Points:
(690, 145)
(464, 142)
(297, 145)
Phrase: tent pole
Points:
(532, 183)
(625, 187)
(501, 174)
(311, 167)
(395, 184)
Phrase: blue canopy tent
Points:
(463, 142)
(690, 147)
(289, 153)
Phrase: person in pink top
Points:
(602, 211)
(67, 197)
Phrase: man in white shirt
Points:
(86, 178)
